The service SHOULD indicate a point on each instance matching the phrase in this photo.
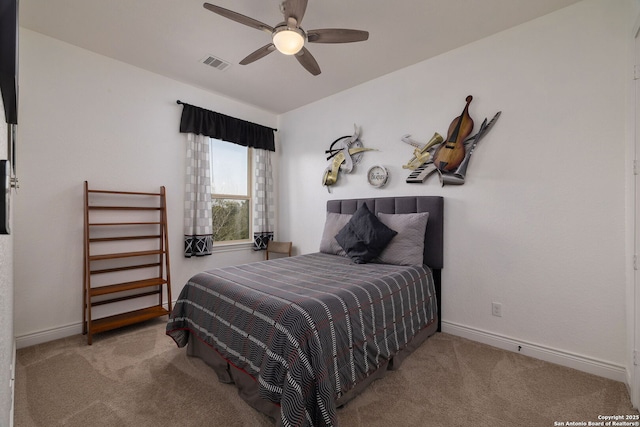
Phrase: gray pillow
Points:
(333, 224)
(408, 246)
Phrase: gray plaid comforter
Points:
(307, 328)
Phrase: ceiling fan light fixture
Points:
(287, 40)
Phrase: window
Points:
(230, 192)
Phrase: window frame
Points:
(248, 197)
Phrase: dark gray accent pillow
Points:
(364, 236)
(407, 248)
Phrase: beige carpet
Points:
(138, 377)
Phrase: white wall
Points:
(539, 225)
(87, 117)
(6, 306)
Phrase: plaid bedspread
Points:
(307, 328)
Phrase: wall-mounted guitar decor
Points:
(450, 157)
(343, 153)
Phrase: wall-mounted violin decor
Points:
(449, 157)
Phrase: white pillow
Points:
(407, 247)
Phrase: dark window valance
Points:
(215, 125)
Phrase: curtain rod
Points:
(184, 103)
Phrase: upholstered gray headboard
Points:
(408, 204)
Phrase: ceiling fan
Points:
(288, 37)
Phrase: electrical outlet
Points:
(496, 309)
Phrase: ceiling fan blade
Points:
(234, 16)
(294, 9)
(260, 53)
(336, 35)
(307, 60)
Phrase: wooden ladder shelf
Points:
(126, 259)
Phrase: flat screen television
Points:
(9, 58)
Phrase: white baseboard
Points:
(559, 357)
(52, 334)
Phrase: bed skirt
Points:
(248, 387)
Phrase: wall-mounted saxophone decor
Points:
(450, 157)
(343, 154)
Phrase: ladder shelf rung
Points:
(125, 208)
(94, 224)
(125, 255)
(126, 297)
(130, 193)
(124, 268)
(123, 319)
(113, 239)
(126, 286)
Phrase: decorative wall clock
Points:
(378, 176)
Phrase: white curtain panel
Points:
(198, 230)
(263, 204)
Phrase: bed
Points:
(301, 336)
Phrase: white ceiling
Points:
(171, 37)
